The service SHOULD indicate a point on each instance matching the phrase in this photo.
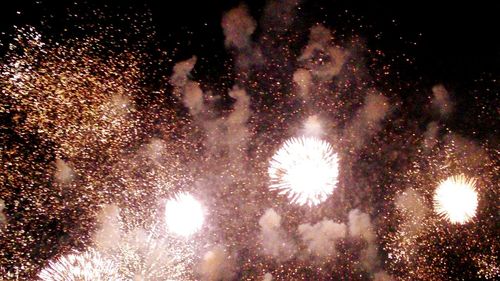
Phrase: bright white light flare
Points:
(184, 214)
(456, 199)
(306, 169)
(89, 266)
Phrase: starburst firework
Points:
(456, 199)
(142, 255)
(184, 214)
(88, 266)
(306, 169)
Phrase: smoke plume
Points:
(321, 238)
(217, 265)
(273, 239)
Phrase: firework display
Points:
(456, 199)
(270, 143)
(183, 214)
(306, 169)
(87, 266)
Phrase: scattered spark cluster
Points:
(306, 169)
(123, 157)
(73, 98)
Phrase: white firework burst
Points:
(456, 199)
(87, 266)
(306, 169)
(142, 255)
(184, 214)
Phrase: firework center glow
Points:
(184, 214)
(306, 169)
(456, 199)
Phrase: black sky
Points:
(454, 43)
(454, 40)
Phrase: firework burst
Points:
(142, 255)
(184, 214)
(89, 266)
(456, 199)
(306, 169)
(142, 252)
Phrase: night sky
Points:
(111, 108)
(454, 41)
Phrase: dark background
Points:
(455, 40)
(454, 43)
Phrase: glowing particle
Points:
(456, 199)
(184, 214)
(306, 169)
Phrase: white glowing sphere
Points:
(184, 214)
(306, 169)
(456, 199)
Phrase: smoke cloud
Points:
(3, 218)
(322, 58)
(441, 100)
(279, 15)
(155, 149)
(321, 238)
(107, 237)
(303, 79)
(431, 134)
(181, 71)
(411, 203)
(188, 91)
(273, 239)
(313, 127)
(238, 26)
(375, 108)
(193, 97)
(237, 120)
(382, 276)
(237, 135)
(63, 173)
(360, 226)
(368, 118)
(268, 277)
(217, 265)
(229, 135)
